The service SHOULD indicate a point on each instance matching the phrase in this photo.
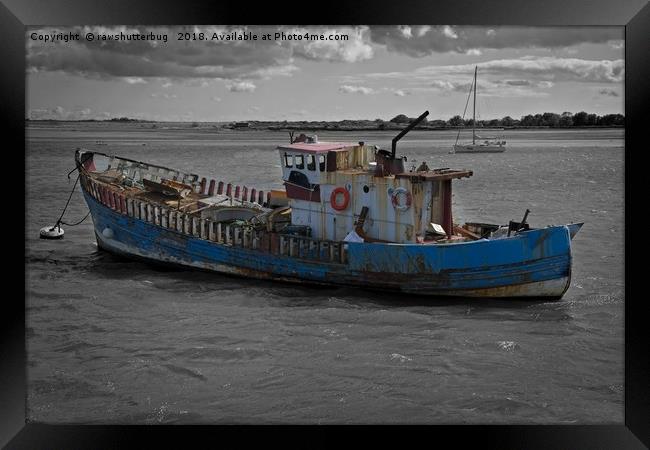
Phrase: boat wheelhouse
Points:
(328, 184)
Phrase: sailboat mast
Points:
(474, 115)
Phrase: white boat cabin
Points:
(329, 183)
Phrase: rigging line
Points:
(465, 110)
(69, 198)
(76, 168)
(76, 223)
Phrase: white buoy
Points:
(55, 232)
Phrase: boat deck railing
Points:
(235, 235)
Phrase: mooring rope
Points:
(66, 206)
(76, 223)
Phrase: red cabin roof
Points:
(318, 147)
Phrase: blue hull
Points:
(535, 263)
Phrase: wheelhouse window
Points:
(321, 163)
(288, 160)
(311, 162)
(300, 162)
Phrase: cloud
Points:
(421, 31)
(574, 69)
(608, 92)
(401, 92)
(164, 95)
(199, 63)
(357, 46)
(134, 80)
(348, 89)
(216, 99)
(449, 85)
(525, 77)
(525, 68)
(460, 39)
(179, 60)
(406, 31)
(241, 86)
(449, 32)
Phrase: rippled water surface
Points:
(115, 341)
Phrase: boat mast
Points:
(474, 115)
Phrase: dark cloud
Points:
(240, 61)
(189, 59)
(174, 59)
(425, 40)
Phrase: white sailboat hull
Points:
(476, 148)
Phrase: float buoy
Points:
(395, 199)
(55, 232)
(346, 199)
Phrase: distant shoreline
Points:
(346, 125)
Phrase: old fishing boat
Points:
(480, 144)
(350, 214)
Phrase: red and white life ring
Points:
(333, 199)
(408, 199)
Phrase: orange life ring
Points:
(346, 199)
(395, 199)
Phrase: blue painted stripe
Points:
(536, 255)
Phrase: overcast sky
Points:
(378, 72)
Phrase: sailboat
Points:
(480, 144)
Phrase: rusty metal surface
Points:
(531, 263)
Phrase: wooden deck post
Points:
(210, 230)
(187, 224)
(178, 221)
(164, 218)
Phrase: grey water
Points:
(112, 341)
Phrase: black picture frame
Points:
(634, 15)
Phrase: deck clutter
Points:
(349, 214)
(215, 214)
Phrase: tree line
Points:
(547, 119)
